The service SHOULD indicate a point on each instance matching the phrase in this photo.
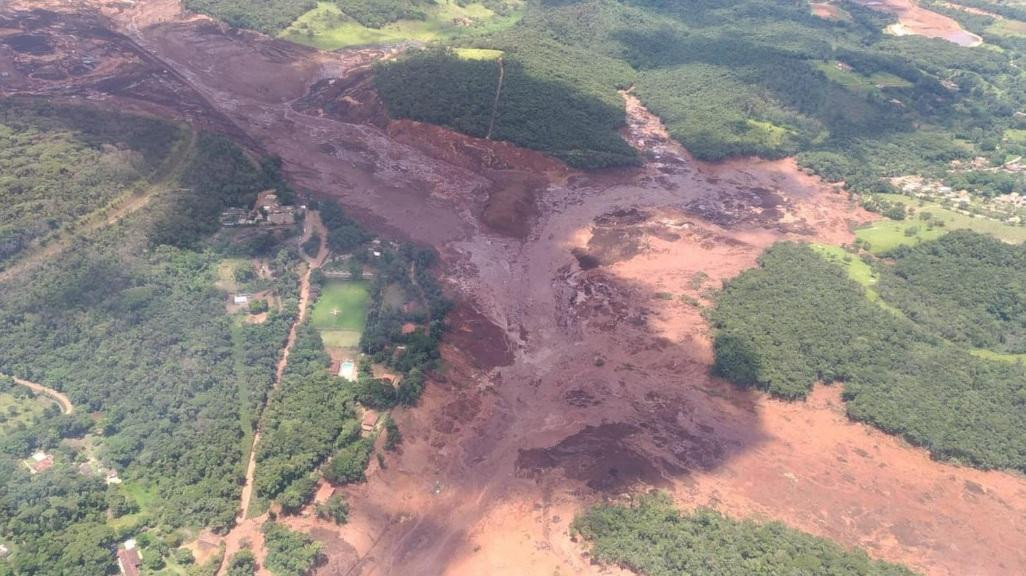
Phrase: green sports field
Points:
(340, 313)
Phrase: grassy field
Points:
(886, 234)
(328, 28)
(478, 53)
(857, 270)
(342, 307)
(853, 80)
(15, 411)
(998, 356)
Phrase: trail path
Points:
(495, 103)
(107, 215)
(249, 528)
(61, 399)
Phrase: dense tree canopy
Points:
(135, 332)
(798, 319)
(653, 539)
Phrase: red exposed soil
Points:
(565, 383)
(828, 11)
(915, 19)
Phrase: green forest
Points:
(732, 79)
(310, 415)
(58, 165)
(132, 329)
(530, 111)
(267, 16)
(728, 78)
(652, 538)
(905, 367)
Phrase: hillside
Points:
(512, 287)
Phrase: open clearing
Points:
(328, 28)
(568, 378)
(341, 306)
(886, 234)
(15, 411)
(857, 270)
(913, 19)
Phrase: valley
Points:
(578, 352)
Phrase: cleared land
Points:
(328, 28)
(886, 234)
(18, 411)
(341, 306)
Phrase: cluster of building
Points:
(926, 187)
(267, 210)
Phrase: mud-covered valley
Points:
(577, 367)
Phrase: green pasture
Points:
(326, 27)
(341, 307)
(886, 234)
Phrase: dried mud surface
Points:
(578, 364)
(915, 19)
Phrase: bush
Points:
(349, 463)
(289, 553)
(335, 509)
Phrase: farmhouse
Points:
(369, 420)
(240, 299)
(268, 209)
(39, 462)
(129, 558)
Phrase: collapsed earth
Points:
(512, 287)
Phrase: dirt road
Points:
(577, 364)
(108, 215)
(61, 399)
(247, 529)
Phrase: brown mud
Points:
(577, 366)
(914, 19)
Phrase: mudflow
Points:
(577, 366)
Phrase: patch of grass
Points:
(848, 78)
(145, 497)
(340, 338)
(226, 273)
(1007, 27)
(857, 270)
(854, 81)
(478, 53)
(888, 80)
(886, 234)
(15, 410)
(328, 28)
(341, 306)
(997, 356)
(1015, 135)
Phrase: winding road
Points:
(61, 399)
